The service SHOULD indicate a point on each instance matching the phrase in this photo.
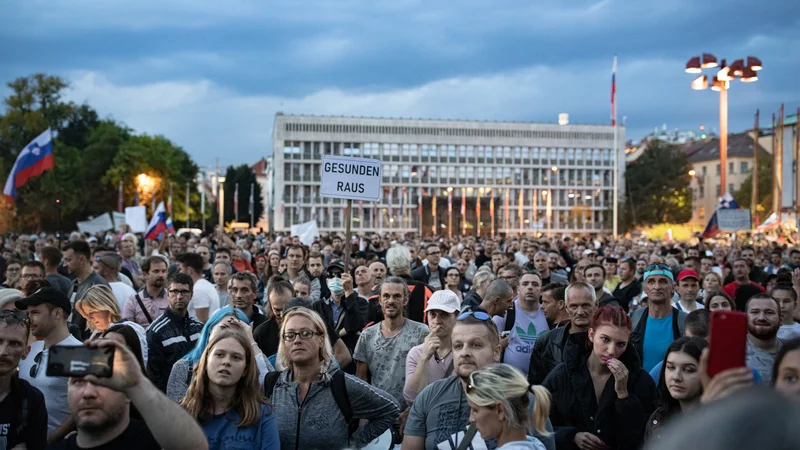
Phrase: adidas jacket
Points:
(169, 338)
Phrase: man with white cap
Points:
(433, 359)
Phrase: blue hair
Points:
(194, 355)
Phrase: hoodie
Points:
(317, 423)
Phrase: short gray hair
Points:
(482, 279)
(398, 260)
(223, 263)
(580, 285)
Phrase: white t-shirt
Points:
(789, 332)
(205, 296)
(527, 328)
(680, 307)
(121, 291)
(53, 388)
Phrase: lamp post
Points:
(746, 72)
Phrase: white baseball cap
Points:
(444, 300)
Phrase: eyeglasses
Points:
(480, 315)
(181, 292)
(37, 360)
(305, 335)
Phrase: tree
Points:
(244, 177)
(744, 196)
(658, 187)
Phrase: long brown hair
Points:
(248, 398)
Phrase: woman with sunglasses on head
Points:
(226, 397)
(498, 397)
(308, 396)
(679, 386)
(223, 319)
(601, 396)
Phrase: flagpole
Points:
(188, 222)
(203, 204)
(616, 149)
(236, 203)
(252, 205)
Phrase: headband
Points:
(662, 272)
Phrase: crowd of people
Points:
(255, 340)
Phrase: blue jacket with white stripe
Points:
(169, 338)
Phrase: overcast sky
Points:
(210, 75)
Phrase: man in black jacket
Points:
(431, 274)
(174, 333)
(242, 289)
(550, 347)
(344, 309)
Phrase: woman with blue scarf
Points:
(223, 319)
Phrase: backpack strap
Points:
(144, 310)
(511, 317)
(270, 379)
(339, 391)
(23, 415)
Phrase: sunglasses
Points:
(37, 360)
(480, 315)
(657, 267)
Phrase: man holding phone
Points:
(48, 309)
(101, 410)
(18, 429)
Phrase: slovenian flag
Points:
(726, 202)
(32, 161)
(159, 223)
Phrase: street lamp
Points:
(692, 173)
(720, 82)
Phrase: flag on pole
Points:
(520, 212)
(32, 161)
(433, 212)
(402, 206)
(491, 211)
(283, 201)
(159, 223)
(614, 93)
(203, 200)
(450, 213)
(506, 210)
(120, 203)
(313, 205)
(726, 202)
(251, 207)
(478, 212)
(188, 210)
(169, 200)
(297, 200)
(391, 200)
(236, 202)
(463, 211)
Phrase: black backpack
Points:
(338, 389)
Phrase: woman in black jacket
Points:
(601, 397)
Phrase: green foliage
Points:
(744, 196)
(657, 187)
(92, 156)
(244, 177)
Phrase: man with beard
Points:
(47, 310)
(523, 323)
(441, 413)
(381, 350)
(550, 348)
(15, 430)
(174, 333)
(319, 288)
(763, 322)
(243, 291)
(149, 303)
(101, 408)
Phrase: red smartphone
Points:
(728, 340)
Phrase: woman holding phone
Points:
(226, 398)
(680, 385)
(601, 396)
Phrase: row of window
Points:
(701, 192)
(480, 175)
(744, 167)
(442, 131)
(426, 152)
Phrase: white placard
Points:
(733, 219)
(136, 218)
(351, 178)
(307, 232)
(97, 225)
(119, 219)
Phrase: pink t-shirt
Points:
(436, 370)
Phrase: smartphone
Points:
(728, 340)
(79, 361)
(504, 333)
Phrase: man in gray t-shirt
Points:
(381, 351)
(763, 323)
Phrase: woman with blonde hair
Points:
(315, 396)
(100, 309)
(226, 399)
(499, 397)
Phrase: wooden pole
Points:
(754, 199)
(347, 219)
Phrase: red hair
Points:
(611, 315)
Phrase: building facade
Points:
(451, 177)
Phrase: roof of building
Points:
(260, 167)
(739, 145)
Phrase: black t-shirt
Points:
(267, 336)
(625, 294)
(34, 433)
(136, 437)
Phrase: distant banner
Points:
(119, 219)
(136, 218)
(307, 232)
(99, 224)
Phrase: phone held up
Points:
(728, 340)
(79, 361)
